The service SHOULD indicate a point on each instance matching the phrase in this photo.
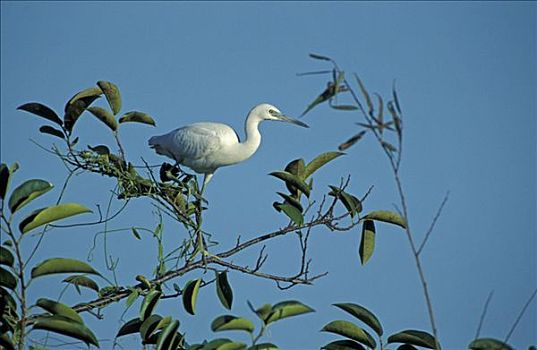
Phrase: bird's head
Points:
(266, 111)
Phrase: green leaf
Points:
(78, 104)
(223, 290)
(264, 346)
(488, 344)
(351, 141)
(6, 343)
(5, 174)
(413, 337)
(287, 309)
(291, 201)
(27, 192)
(363, 315)
(351, 203)
(232, 323)
(365, 93)
(293, 213)
(65, 326)
(320, 161)
(351, 331)
(344, 107)
(319, 57)
(104, 116)
(406, 347)
(367, 243)
(45, 216)
(82, 281)
(134, 294)
(137, 117)
(293, 181)
(130, 327)
(59, 309)
(112, 94)
(263, 312)
(6, 257)
(42, 111)
(136, 233)
(149, 303)
(343, 345)
(386, 216)
(46, 129)
(61, 265)
(100, 149)
(190, 295)
(296, 167)
(149, 326)
(166, 338)
(7, 279)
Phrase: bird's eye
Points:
(272, 112)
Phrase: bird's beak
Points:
(287, 119)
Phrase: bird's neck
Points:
(253, 137)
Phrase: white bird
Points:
(205, 147)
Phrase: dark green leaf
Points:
(27, 192)
(363, 315)
(150, 302)
(351, 203)
(82, 281)
(4, 180)
(100, 149)
(388, 146)
(264, 346)
(232, 323)
(319, 57)
(293, 181)
(344, 107)
(46, 129)
(59, 309)
(61, 265)
(42, 111)
(78, 104)
(351, 141)
(292, 213)
(130, 327)
(65, 326)
(135, 233)
(132, 297)
(296, 167)
(287, 309)
(367, 243)
(149, 326)
(105, 116)
(112, 94)
(6, 257)
(223, 290)
(395, 98)
(45, 216)
(386, 216)
(7, 279)
(488, 344)
(263, 312)
(366, 94)
(320, 161)
(137, 117)
(413, 337)
(343, 345)
(406, 347)
(6, 343)
(291, 201)
(167, 336)
(190, 295)
(351, 331)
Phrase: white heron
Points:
(205, 147)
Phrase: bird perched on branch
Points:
(205, 147)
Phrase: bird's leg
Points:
(206, 179)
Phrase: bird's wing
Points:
(195, 141)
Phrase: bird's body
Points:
(205, 147)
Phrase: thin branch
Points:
(519, 317)
(433, 223)
(482, 318)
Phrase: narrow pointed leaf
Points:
(386, 216)
(363, 315)
(65, 326)
(45, 216)
(288, 309)
(413, 337)
(489, 344)
(130, 327)
(105, 116)
(112, 94)
(351, 331)
(292, 213)
(223, 290)
(136, 233)
(343, 345)
(367, 243)
(365, 94)
(5, 174)
(132, 297)
(190, 295)
(264, 346)
(42, 111)
(319, 57)
(59, 309)
(351, 141)
(27, 192)
(82, 281)
(291, 201)
(78, 104)
(149, 325)
(150, 302)
(166, 338)
(380, 113)
(232, 323)
(137, 117)
(344, 107)
(62, 265)
(46, 129)
(320, 161)
(7, 280)
(395, 98)
(293, 181)
(6, 257)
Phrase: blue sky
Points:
(467, 82)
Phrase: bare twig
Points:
(433, 223)
(519, 317)
(483, 314)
